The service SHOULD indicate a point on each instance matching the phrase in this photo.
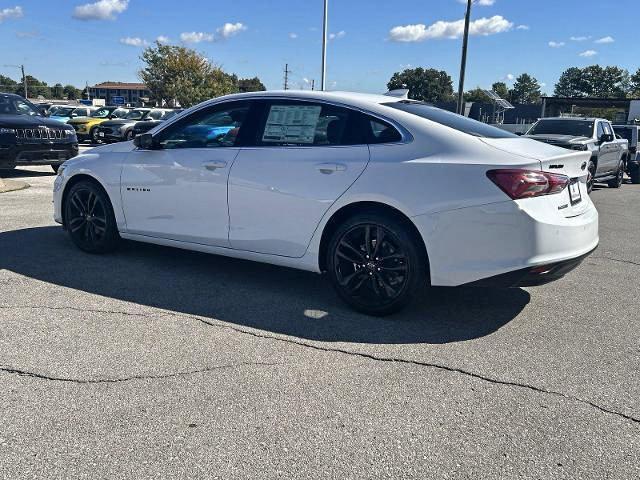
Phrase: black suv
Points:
(28, 138)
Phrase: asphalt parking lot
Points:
(159, 363)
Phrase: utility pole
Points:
(313, 84)
(463, 65)
(286, 76)
(325, 20)
(24, 81)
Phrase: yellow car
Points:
(85, 127)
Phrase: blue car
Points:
(64, 114)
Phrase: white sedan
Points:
(386, 195)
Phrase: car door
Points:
(178, 189)
(303, 156)
(607, 160)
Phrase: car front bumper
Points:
(37, 154)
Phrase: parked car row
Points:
(611, 154)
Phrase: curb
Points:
(12, 185)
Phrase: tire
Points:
(93, 135)
(89, 218)
(634, 173)
(617, 182)
(592, 175)
(376, 278)
(129, 135)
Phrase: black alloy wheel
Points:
(93, 134)
(375, 264)
(89, 218)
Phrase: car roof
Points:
(575, 119)
(351, 98)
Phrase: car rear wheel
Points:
(89, 218)
(617, 182)
(634, 173)
(376, 264)
(129, 135)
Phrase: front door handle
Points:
(329, 168)
(215, 165)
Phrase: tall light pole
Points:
(325, 22)
(463, 65)
(24, 78)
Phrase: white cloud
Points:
(523, 27)
(231, 29)
(556, 44)
(163, 39)
(581, 38)
(452, 30)
(510, 77)
(605, 40)
(196, 37)
(293, 35)
(100, 10)
(588, 53)
(7, 13)
(134, 41)
(336, 36)
(33, 34)
(543, 84)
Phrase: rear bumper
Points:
(532, 276)
(503, 243)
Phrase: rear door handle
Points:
(329, 168)
(215, 165)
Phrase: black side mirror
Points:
(144, 141)
(606, 137)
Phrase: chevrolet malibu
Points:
(384, 194)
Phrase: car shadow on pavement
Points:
(22, 173)
(250, 294)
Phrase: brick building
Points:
(134, 94)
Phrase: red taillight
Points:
(519, 183)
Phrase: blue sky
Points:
(74, 41)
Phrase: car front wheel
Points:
(376, 264)
(617, 182)
(89, 218)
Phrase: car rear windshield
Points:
(574, 128)
(136, 114)
(449, 119)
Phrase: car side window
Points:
(213, 127)
(379, 131)
(600, 130)
(298, 123)
(155, 114)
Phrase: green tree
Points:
(57, 91)
(250, 85)
(571, 84)
(71, 92)
(634, 84)
(476, 95)
(526, 89)
(174, 73)
(501, 89)
(7, 85)
(429, 85)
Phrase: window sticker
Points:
(292, 124)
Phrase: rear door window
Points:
(298, 123)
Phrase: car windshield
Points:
(80, 112)
(170, 114)
(63, 112)
(574, 128)
(449, 119)
(101, 113)
(16, 106)
(136, 114)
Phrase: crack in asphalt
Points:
(25, 373)
(291, 341)
(617, 260)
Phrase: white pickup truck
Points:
(596, 135)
